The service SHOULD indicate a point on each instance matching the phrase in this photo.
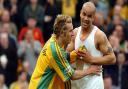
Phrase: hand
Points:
(94, 69)
(85, 56)
(47, 18)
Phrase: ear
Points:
(61, 33)
(93, 17)
(80, 12)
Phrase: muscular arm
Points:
(93, 69)
(105, 47)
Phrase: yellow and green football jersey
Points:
(52, 70)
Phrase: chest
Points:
(89, 40)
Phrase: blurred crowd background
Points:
(25, 25)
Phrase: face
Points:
(69, 33)
(108, 83)
(33, 1)
(87, 17)
(14, 1)
(29, 35)
(117, 20)
(119, 30)
(22, 77)
(26, 66)
(5, 16)
(4, 40)
(120, 2)
(6, 28)
(31, 23)
(121, 58)
(117, 10)
(2, 1)
(2, 79)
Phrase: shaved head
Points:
(90, 6)
(87, 15)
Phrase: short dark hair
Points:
(60, 23)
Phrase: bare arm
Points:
(93, 69)
(104, 47)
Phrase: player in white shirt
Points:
(99, 51)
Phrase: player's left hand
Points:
(85, 56)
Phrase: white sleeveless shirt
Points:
(90, 81)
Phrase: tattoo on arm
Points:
(109, 50)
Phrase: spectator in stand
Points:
(123, 8)
(99, 21)
(5, 18)
(21, 83)
(69, 8)
(31, 25)
(117, 9)
(119, 33)
(114, 41)
(26, 68)
(21, 6)
(102, 7)
(29, 49)
(13, 7)
(34, 10)
(107, 82)
(50, 13)
(8, 56)
(6, 28)
(117, 20)
(118, 72)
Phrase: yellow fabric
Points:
(69, 7)
(73, 56)
(16, 85)
(124, 12)
(51, 72)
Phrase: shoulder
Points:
(100, 35)
(98, 31)
(24, 29)
(37, 29)
(13, 85)
(76, 30)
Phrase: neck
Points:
(13, 3)
(33, 5)
(31, 28)
(1, 85)
(87, 30)
(60, 41)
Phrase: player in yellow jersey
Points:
(53, 70)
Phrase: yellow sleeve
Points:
(73, 56)
(60, 63)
